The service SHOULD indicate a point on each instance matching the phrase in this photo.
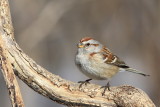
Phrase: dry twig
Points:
(6, 67)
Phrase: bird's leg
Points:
(84, 82)
(107, 86)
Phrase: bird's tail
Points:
(135, 71)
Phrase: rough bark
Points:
(65, 92)
(5, 64)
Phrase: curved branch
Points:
(63, 91)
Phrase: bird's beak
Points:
(80, 46)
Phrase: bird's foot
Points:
(84, 82)
(105, 88)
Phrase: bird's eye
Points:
(87, 44)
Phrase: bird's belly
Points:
(98, 70)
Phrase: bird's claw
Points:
(84, 82)
(105, 88)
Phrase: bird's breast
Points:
(94, 67)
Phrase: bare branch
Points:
(6, 67)
(60, 90)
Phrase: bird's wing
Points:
(118, 62)
(112, 59)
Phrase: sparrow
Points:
(97, 62)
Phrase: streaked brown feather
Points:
(120, 63)
(107, 55)
(113, 59)
(93, 54)
(85, 39)
(95, 45)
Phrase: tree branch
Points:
(6, 67)
(54, 87)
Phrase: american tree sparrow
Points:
(98, 62)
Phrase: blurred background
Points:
(48, 31)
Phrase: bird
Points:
(97, 62)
